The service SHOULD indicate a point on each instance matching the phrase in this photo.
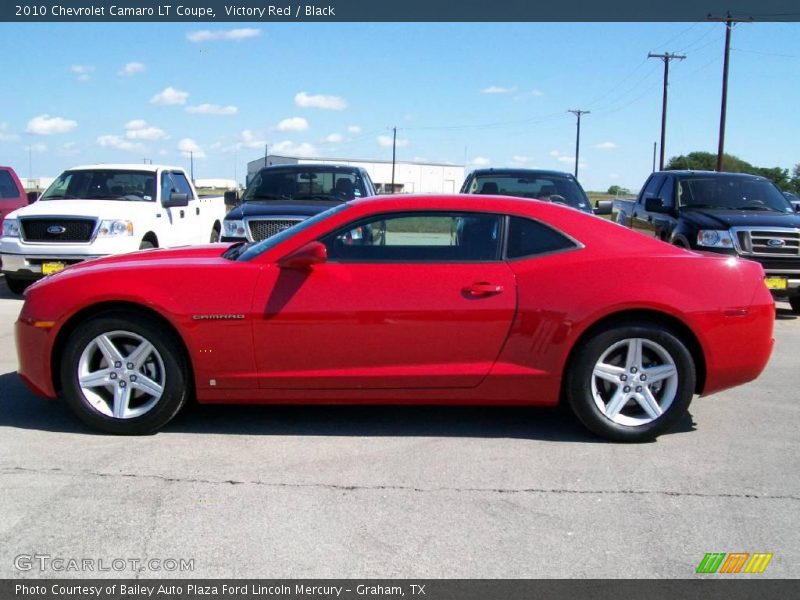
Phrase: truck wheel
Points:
(145, 245)
(214, 236)
(631, 381)
(17, 286)
(794, 302)
(124, 374)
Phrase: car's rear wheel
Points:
(214, 236)
(124, 374)
(631, 381)
(17, 286)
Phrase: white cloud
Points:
(83, 72)
(118, 142)
(291, 149)
(249, 139)
(292, 124)
(555, 153)
(7, 137)
(320, 101)
(138, 129)
(236, 35)
(130, 69)
(38, 147)
(69, 149)
(498, 89)
(354, 129)
(523, 160)
(606, 146)
(480, 161)
(333, 138)
(169, 96)
(47, 125)
(566, 159)
(419, 159)
(188, 145)
(212, 109)
(613, 176)
(385, 141)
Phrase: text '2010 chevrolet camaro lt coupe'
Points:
(404, 300)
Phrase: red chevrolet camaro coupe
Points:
(404, 300)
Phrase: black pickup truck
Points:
(281, 196)
(730, 213)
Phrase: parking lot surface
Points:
(404, 492)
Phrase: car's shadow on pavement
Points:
(784, 314)
(19, 408)
(5, 293)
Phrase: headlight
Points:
(115, 227)
(234, 228)
(10, 228)
(712, 238)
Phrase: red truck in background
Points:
(12, 194)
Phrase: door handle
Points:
(483, 288)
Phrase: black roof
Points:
(521, 172)
(686, 172)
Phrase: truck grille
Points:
(768, 242)
(261, 229)
(56, 229)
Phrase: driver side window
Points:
(418, 237)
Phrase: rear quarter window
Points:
(8, 188)
(531, 238)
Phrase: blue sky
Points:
(482, 94)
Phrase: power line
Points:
(578, 114)
(666, 58)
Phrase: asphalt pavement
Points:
(368, 492)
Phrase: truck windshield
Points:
(551, 188)
(103, 184)
(731, 193)
(308, 184)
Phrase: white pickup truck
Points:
(97, 210)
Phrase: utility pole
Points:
(666, 57)
(578, 114)
(30, 165)
(266, 153)
(729, 22)
(394, 153)
(654, 156)
(191, 165)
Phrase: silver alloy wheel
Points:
(121, 374)
(634, 382)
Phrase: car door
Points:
(641, 220)
(403, 301)
(181, 219)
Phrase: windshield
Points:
(246, 251)
(732, 193)
(311, 184)
(103, 184)
(551, 188)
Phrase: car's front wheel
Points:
(124, 374)
(794, 302)
(17, 286)
(631, 381)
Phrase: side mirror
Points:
(33, 197)
(796, 207)
(603, 207)
(656, 205)
(231, 198)
(176, 199)
(305, 257)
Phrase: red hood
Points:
(150, 258)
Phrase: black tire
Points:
(171, 371)
(17, 286)
(794, 302)
(146, 245)
(214, 236)
(581, 385)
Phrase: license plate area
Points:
(776, 283)
(48, 268)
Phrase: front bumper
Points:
(24, 266)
